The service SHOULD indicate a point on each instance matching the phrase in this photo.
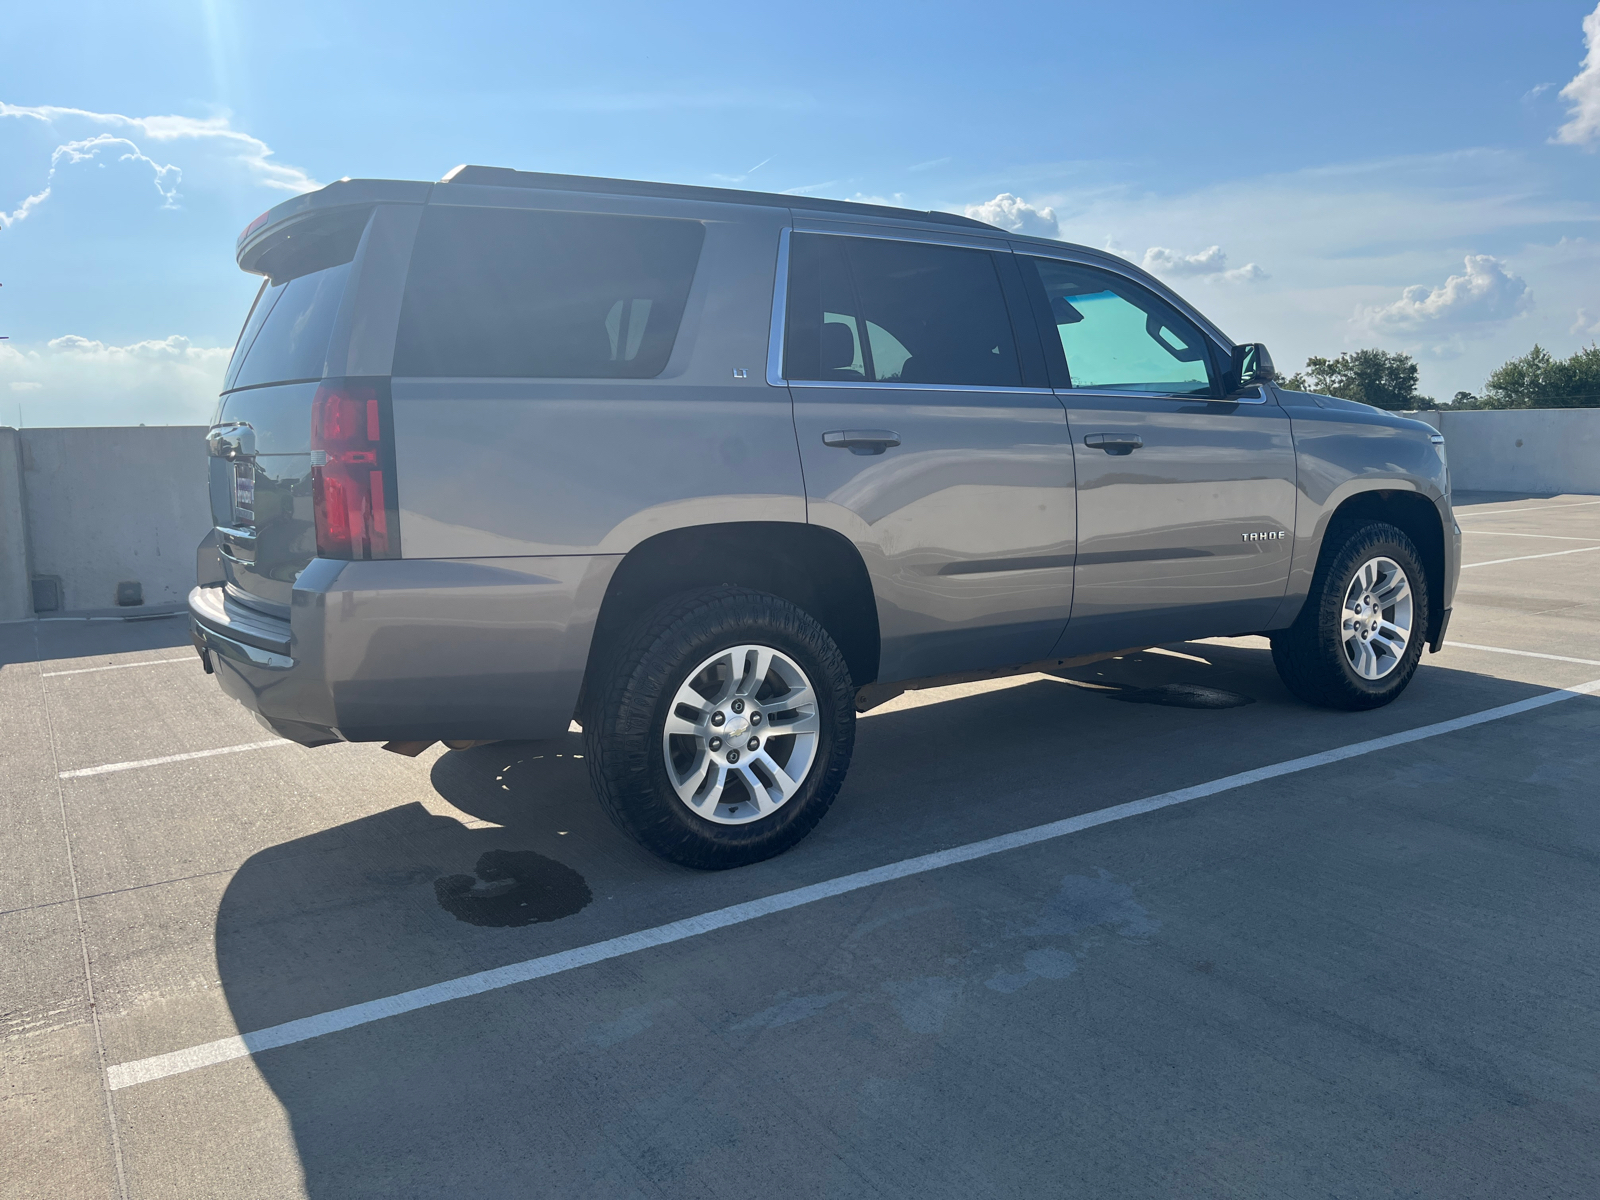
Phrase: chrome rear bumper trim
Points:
(226, 647)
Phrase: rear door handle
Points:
(861, 441)
(1114, 443)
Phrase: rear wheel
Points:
(724, 730)
(1356, 643)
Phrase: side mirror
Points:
(1251, 365)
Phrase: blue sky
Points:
(1420, 177)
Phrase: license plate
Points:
(244, 490)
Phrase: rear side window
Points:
(874, 309)
(516, 293)
(1119, 337)
(286, 337)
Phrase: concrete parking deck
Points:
(1368, 971)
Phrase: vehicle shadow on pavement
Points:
(522, 1091)
(66, 640)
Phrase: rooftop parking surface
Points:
(1345, 966)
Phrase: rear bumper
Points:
(412, 649)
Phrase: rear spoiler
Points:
(338, 207)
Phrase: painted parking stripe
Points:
(172, 758)
(193, 1058)
(1496, 512)
(1493, 562)
(1587, 662)
(157, 662)
(1548, 537)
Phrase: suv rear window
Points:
(286, 337)
(517, 293)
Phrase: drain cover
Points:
(1184, 695)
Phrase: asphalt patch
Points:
(513, 887)
(1184, 695)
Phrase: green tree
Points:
(1376, 377)
(1540, 380)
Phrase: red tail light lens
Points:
(352, 480)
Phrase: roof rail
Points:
(507, 177)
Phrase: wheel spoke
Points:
(706, 805)
(752, 665)
(1391, 632)
(1368, 664)
(800, 722)
(758, 790)
(1395, 589)
(677, 725)
(1348, 629)
(786, 784)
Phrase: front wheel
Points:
(725, 729)
(1356, 643)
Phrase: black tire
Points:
(624, 722)
(1310, 655)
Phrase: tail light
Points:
(352, 471)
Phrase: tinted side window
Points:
(519, 293)
(292, 338)
(1119, 337)
(896, 312)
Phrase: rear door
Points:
(929, 440)
(1186, 500)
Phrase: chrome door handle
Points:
(861, 441)
(1113, 443)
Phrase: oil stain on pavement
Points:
(513, 887)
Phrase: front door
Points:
(929, 440)
(1186, 500)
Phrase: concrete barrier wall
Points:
(98, 507)
(1548, 450)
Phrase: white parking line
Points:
(156, 662)
(1549, 537)
(193, 1058)
(1494, 562)
(1588, 662)
(1495, 512)
(172, 758)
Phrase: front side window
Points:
(878, 310)
(1119, 337)
(521, 293)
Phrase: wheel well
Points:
(1419, 519)
(813, 568)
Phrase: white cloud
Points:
(1006, 211)
(75, 380)
(1583, 93)
(248, 153)
(1212, 262)
(1587, 325)
(1487, 293)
